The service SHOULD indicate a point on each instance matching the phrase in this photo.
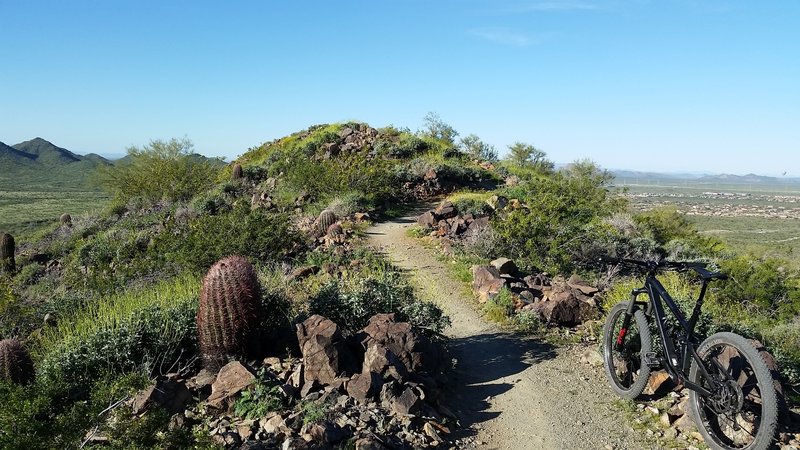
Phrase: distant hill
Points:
(41, 165)
(634, 177)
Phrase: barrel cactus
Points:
(335, 230)
(324, 221)
(65, 219)
(229, 311)
(237, 173)
(7, 263)
(16, 365)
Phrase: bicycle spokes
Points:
(733, 411)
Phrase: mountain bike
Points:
(732, 398)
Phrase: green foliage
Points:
(529, 322)
(349, 203)
(262, 397)
(160, 170)
(527, 156)
(229, 311)
(471, 203)
(547, 233)
(350, 303)
(52, 414)
(396, 144)
(500, 308)
(436, 128)
(257, 234)
(759, 286)
(314, 411)
(120, 333)
(475, 148)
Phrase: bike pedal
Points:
(652, 360)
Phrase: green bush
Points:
(160, 170)
(121, 333)
(758, 286)
(500, 308)
(351, 303)
(257, 234)
(48, 415)
(262, 397)
(549, 232)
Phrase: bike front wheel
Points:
(742, 412)
(624, 350)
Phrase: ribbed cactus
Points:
(324, 221)
(7, 263)
(335, 230)
(237, 173)
(16, 365)
(65, 219)
(229, 312)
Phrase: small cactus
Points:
(7, 263)
(324, 221)
(16, 365)
(65, 219)
(229, 311)
(237, 173)
(335, 230)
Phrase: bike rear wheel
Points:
(742, 413)
(624, 351)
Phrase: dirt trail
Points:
(511, 392)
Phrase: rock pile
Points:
(445, 221)
(377, 389)
(558, 301)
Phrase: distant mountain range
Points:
(634, 177)
(40, 164)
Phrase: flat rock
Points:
(505, 266)
(231, 379)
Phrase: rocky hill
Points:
(38, 164)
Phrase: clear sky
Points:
(672, 85)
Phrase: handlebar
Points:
(653, 266)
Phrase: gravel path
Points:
(509, 392)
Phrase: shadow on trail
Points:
(482, 361)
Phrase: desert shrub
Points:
(51, 414)
(212, 202)
(761, 286)
(436, 128)
(549, 232)
(159, 170)
(614, 237)
(526, 161)
(351, 304)
(348, 204)
(262, 397)
(257, 234)
(471, 203)
(120, 333)
(48, 415)
(784, 340)
(499, 308)
(475, 148)
(529, 322)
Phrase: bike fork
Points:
(626, 322)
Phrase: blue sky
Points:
(683, 85)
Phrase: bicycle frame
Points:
(676, 365)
